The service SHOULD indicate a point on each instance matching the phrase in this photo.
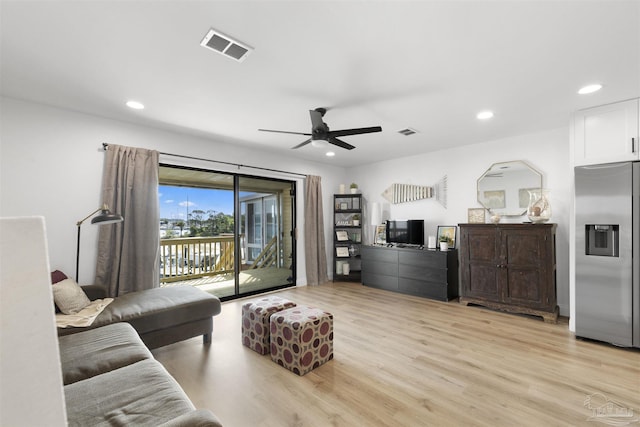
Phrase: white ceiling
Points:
(428, 65)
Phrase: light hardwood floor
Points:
(407, 361)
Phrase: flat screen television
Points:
(406, 232)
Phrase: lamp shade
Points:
(106, 217)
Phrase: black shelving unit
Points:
(347, 237)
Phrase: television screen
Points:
(397, 231)
(408, 232)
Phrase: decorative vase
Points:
(495, 218)
(354, 190)
(444, 246)
(539, 209)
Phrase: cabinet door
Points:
(478, 262)
(606, 134)
(524, 267)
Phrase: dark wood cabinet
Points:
(509, 267)
(421, 272)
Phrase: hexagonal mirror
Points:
(504, 188)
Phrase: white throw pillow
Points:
(69, 296)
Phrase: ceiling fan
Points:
(320, 132)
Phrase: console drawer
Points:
(432, 290)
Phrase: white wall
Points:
(548, 152)
(51, 165)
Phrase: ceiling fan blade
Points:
(302, 144)
(285, 131)
(358, 131)
(342, 144)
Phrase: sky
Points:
(175, 202)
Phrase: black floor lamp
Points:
(105, 217)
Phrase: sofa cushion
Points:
(141, 394)
(160, 308)
(96, 351)
(69, 296)
(57, 276)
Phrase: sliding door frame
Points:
(237, 215)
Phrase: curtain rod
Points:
(106, 147)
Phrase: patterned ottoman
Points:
(301, 338)
(255, 321)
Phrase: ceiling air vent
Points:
(407, 131)
(225, 45)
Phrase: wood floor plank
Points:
(401, 360)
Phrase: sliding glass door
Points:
(267, 224)
(228, 234)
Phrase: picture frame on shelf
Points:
(380, 238)
(342, 252)
(476, 216)
(448, 231)
(342, 236)
(344, 206)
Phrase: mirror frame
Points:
(509, 194)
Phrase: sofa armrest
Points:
(197, 418)
(94, 291)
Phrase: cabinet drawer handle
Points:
(633, 145)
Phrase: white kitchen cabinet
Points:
(606, 134)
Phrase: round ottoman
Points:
(301, 338)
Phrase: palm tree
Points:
(180, 225)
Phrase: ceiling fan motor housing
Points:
(320, 131)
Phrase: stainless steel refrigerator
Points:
(607, 212)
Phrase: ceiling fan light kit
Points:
(319, 143)
(320, 134)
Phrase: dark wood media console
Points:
(426, 273)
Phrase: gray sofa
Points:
(110, 378)
(161, 316)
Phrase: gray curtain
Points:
(128, 252)
(314, 245)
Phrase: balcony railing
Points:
(194, 257)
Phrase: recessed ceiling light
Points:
(330, 154)
(590, 89)
(484, 115)
(135, 105)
